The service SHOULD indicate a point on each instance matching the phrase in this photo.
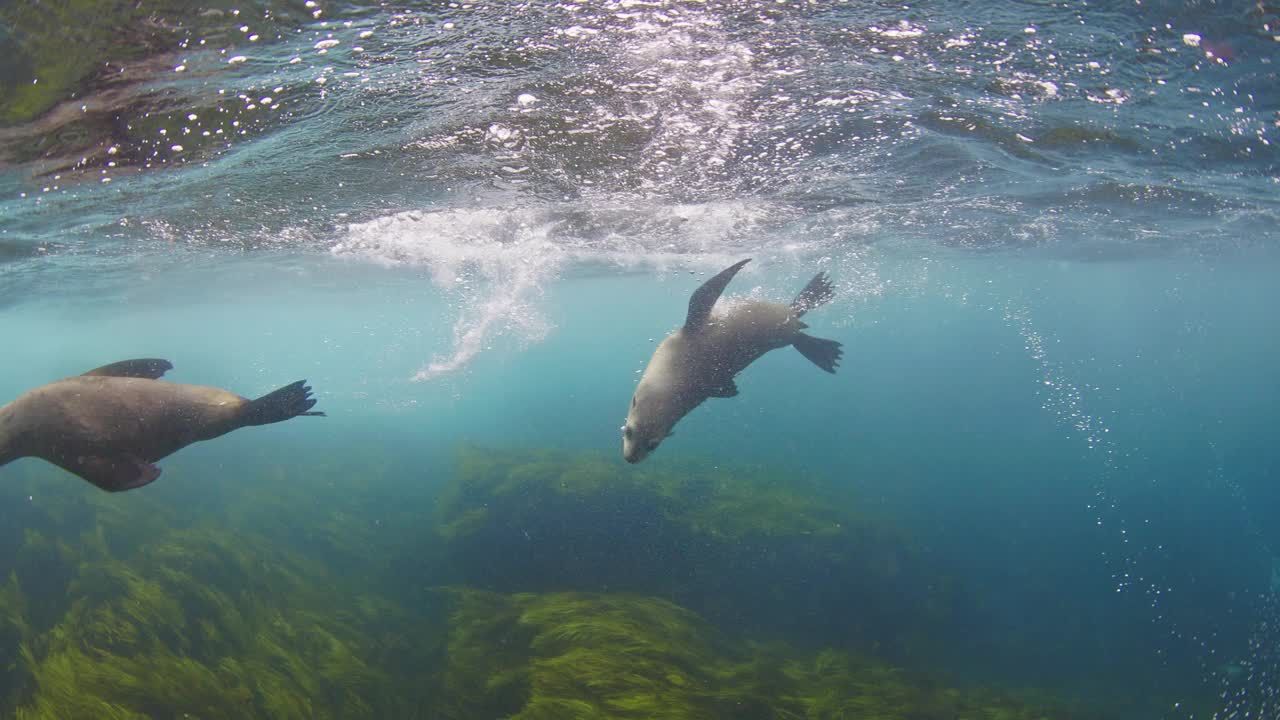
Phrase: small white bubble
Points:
(326, 44)
(176, 148)
(179, 68)
(236, 60)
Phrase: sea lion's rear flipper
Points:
(149, 368)
(704, 298)
(818, 292)
(823, 353)
(114, 473)
(289, 401)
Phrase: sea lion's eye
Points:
(626, 432)
(633, 402)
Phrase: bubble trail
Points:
(1249, 689)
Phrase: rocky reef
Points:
(748, 547)
(548, 584)
(90, 84)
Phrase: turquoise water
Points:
(1051, 228)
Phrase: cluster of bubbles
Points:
(1248, 686)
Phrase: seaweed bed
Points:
(550, 585)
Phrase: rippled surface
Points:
(634, 132)
(1086, 193)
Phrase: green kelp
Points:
(192, 621)
(210, 625)
(351, 510)
(747, 546)
(584, 656)
(14, 630)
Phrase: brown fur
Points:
(108, 429)
(701, 359)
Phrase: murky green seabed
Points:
(545, 584)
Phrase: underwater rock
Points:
(80, 91)
(158, 613)
(745, 547)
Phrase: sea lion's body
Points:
(701, 359)
(110, 424)
(689, 367)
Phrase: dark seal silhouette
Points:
(110, 424)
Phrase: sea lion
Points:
(109, 424)
(699, 360)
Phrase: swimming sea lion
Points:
(109, 424)
(700, 360)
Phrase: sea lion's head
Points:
(648, 423)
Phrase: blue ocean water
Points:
(1052, 229)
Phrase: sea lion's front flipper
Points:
(114, 473)
(149, 368)
(705, 297)
(818, 292)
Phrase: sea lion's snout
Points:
(630, 450)
(636, 447)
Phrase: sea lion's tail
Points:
(823, 353)
(818, 292)
(289, 401)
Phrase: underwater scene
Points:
(640, 359)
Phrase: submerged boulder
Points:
(746, 546)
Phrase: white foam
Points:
(497, 262)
